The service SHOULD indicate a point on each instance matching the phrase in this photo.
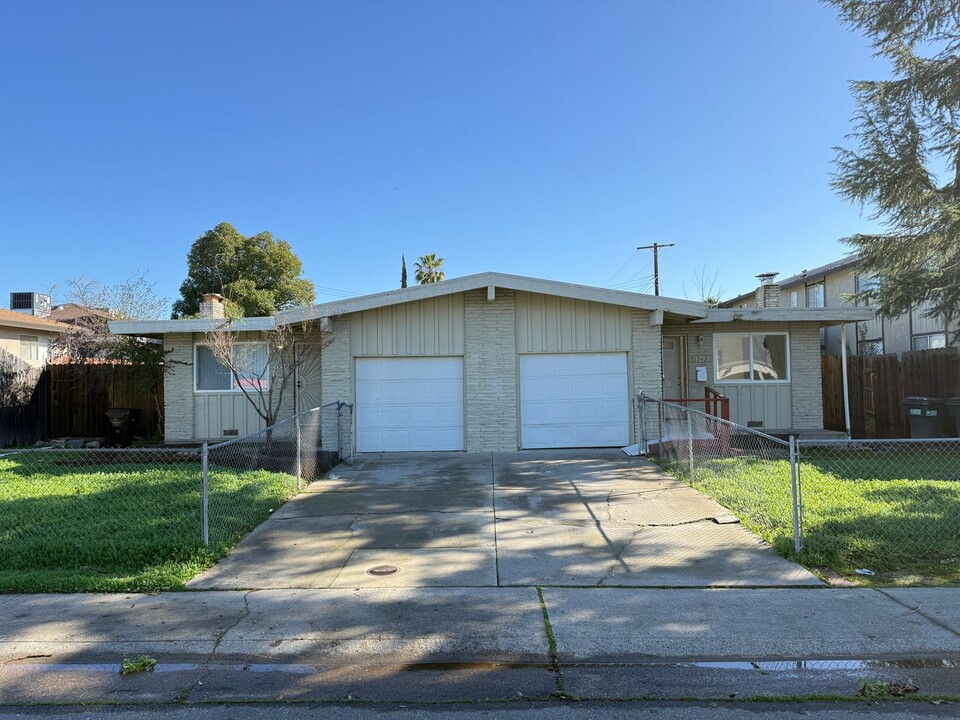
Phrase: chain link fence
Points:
(251, 476)
(748, 472)
(889, 508)
(120, 513)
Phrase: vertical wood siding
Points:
(424, 327)
(546, 323)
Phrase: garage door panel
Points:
(409, 404)
(574, 400)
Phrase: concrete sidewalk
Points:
(461, 642)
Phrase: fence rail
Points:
(889, 507)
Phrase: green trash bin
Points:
(926, 415)
(953, 409)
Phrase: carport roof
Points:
(494, 280)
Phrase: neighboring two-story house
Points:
(830, 286)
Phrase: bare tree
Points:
(706, 287)
(264, 369)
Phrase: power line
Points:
(656, 262)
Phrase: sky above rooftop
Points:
(544, 138)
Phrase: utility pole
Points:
(656, 262)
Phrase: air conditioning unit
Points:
(31, 303)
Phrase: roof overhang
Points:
(823, 316)
(148, 328)
(27, 324)
(488, 280)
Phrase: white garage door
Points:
(574, 400)
(409, 404)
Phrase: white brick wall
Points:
(806, 393)
(645, 360)
(336, 383)
(490, 371)
(178, 388)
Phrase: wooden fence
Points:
(81, 394)
(878, 384)
(71, 400)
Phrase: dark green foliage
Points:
(906, 166)
(258, 275)
(403, 271)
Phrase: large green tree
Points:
(258, 275)
(906, 164)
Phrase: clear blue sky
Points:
(535, 137)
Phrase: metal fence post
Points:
(299, 452)
(690, 439)
(795, 488)
(205, 501)
(643, 424)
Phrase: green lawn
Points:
(66, 525)
(894, 510)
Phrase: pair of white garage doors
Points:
(566, 400)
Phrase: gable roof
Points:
(11, 318)
(685, 308)
(69, 312)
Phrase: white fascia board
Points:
(824, 316)
(686, 308)
(166, 327)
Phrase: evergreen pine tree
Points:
(906, 166)
(403, 271)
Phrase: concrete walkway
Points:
(460, 643)
(559, 518)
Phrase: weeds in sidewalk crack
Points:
(552, 646)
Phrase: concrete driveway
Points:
(562, 518)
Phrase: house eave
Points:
(151, 328)
(674, 306)
(823, 316)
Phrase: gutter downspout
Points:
(846, 388)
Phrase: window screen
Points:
(733, 357)
(211, 375)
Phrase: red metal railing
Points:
(714, 403)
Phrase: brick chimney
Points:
(211, 308)
(768, 294)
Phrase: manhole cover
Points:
(380, 570)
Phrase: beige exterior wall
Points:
(781, 406)
(425, 327)
(191, 416)
(645, 365)
(10, 339)
(546, 323)
(336, 382)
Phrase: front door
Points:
(308, 376)
(673, 381)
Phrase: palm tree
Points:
(429, 269)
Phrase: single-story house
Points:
(501, 362)
(28, 336)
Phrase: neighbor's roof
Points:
(68, 312)
(818, 273)
(686, 308)
(11, 318)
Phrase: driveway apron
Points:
(561, 518)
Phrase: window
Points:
(866, 284)
(250, 359)
(815, 296)
(30, 348)
(751, 357)
(870, 347)
(929, 342)
(794, 300)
